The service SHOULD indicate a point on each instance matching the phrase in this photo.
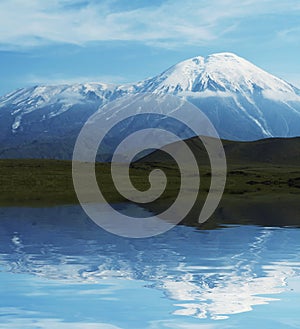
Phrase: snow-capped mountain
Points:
(54, 100)
(218, 72)
(243, 102)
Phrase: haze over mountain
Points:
(242, 101)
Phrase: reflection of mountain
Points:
(206, 274)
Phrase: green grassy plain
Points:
(50, 181)
(258, 191)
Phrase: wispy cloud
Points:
(291, 35)
(34, 22)
(60, 80)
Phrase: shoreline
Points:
(259, 193)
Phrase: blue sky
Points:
(67, 41)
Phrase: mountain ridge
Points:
(242, 101)
(221, 67)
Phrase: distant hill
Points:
(281, 151)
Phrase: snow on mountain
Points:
(243, 101)
(24, 101)
(218, 72)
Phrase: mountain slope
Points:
(242, 101)
(219, 72)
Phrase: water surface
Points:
(59, 270)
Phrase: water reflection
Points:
(203, 274)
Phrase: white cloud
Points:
(33, 79)
(291, 34)
(34, 22)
